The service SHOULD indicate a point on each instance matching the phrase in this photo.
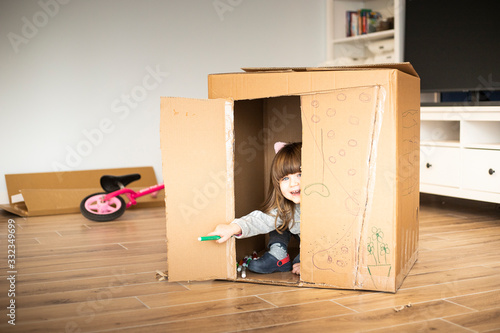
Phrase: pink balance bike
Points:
(109, 205)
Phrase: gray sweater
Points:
(257, 223)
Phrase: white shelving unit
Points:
(342, 50)
(460, 152)
(460, 146)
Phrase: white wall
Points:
(81, 80)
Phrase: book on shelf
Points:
(361, 22)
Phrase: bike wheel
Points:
(96, 209)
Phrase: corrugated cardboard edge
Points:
(372, 173)
(405, 67)
(408, 189)
(300, 283)
(230, 199)
(282, 81)
(17, 209)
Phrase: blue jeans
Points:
(283, 238)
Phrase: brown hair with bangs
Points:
(287, 161)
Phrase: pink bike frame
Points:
(132, 195)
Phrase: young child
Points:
(280, 215)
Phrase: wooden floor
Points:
(73, 275)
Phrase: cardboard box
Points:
(360, 130)
(50, 193)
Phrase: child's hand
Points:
(296, 268)
(225, 231)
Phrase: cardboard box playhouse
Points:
(360, 172)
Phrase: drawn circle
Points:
(331, 134)
(352, 143)
(330, 112)
(315, 103)
(342, 152)
(341, 97)
(351, 172)
(330, 259)
(332, 159)
(364, 97)
(352, 206)
(315, 118)
(341, 263)
(353, 120)
(344, 249)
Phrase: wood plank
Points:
(436, 325)
(113, 290)
(370, 320)
(367, 302)
(247, 320)
(202, 295)
(480, 321)
(117, 261)
(76, 274)
(448, 275)
(88, 309)
(87, 283)
(143, 317)
(300, 296)
(443, 262)
(438, 244)
(481, 301)
(117, 251)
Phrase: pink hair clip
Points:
(278, 145)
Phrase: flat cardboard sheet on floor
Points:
(360, 171)
(50, 193)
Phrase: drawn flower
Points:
(376, 247)
(370, 247)
(377, 232)
(384, 250)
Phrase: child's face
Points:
(290, 187)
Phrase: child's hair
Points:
(286, 161)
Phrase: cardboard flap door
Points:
(341, 132)
(197, 140)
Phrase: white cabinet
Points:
(376, 47)
(481, 170)
(460, 152)
(438, 166)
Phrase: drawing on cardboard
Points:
(410, 159)
(344, 135)
(378, 251)
(410, 118)
(318, 188)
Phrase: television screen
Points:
(454, 45)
